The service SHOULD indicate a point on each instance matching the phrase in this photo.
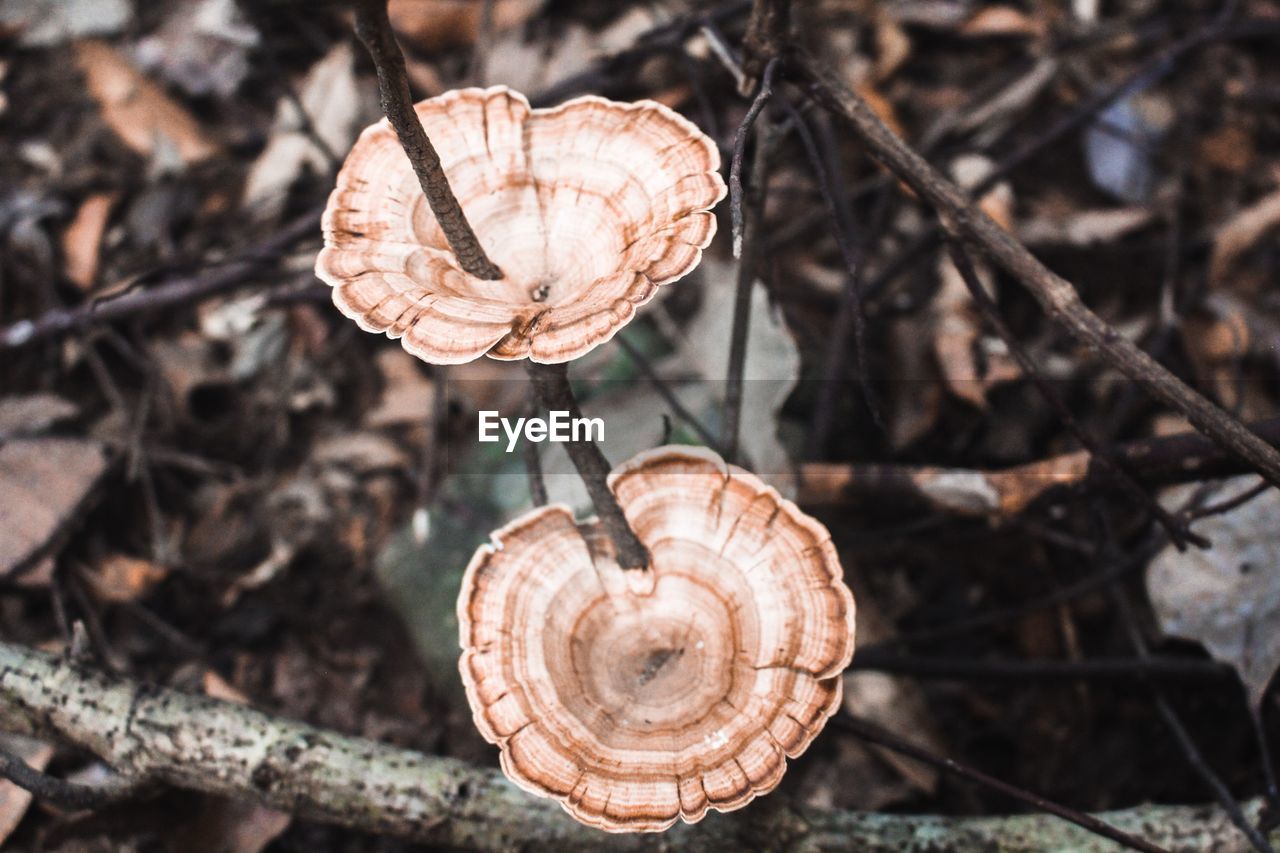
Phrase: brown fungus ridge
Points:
(586, 207)
(637, 698)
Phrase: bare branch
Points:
(178, 292)
(1182, 458)
(1055, 294)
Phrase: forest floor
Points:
(235, 491)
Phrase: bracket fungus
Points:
(639, 697)
(587, 208)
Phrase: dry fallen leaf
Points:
(330, 99)
(1239, 234)
(436, 24)
(82, 240)
(1003, 21)
(216, 687)
(223, 825)
(137, 109)
(1085, 227)
(43, 483)
(202, 46)
(893, 47)
(956, 322)
(408, 396)
(1226, 597)
(32, 414)
(120, 579)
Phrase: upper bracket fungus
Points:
(636, 698)
(586, 207)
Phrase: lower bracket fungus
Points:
(637, 698)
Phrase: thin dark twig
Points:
(664, 391)
(1110, 461)
(878, 659)
(1007, 615)
(180, 291)
(706, 109)
(1232, 503)
(743, 288)
(599, 75)
(841, 225)
(532, 463)
(740, 138)
(745, 225)
(873, 733)
(1183, 737)
(69, 796)
(373, 28)
(484, 44)
(1271, 790)
(432, 461)
(723, 52)
(551, 381)
(851, 313)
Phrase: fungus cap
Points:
(638, 697)
(586, 207)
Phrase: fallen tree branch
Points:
(1055, 294)
(202, 744)
(170, 294)
(1186, 457)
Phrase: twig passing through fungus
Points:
(373, 28)
(637, 700)
(589, 207)
(551, 384)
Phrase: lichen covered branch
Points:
(201, 744)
